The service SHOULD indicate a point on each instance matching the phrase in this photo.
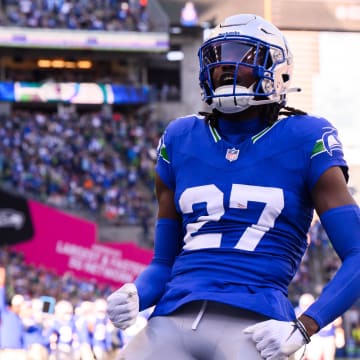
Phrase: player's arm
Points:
(339, 214)
(167, 244)
(125, 303)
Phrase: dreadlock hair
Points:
(270, 113)
(273, 111)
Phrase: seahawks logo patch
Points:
(328, 143)
(331, 141)
(161, 150)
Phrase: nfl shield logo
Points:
(232, 154)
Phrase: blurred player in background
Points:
(237, 188)
(12, 330)
(62, 333)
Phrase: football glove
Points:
(123, 306)
(277, 340)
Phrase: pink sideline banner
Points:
(64, 243)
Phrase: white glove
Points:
(123, 306)
(277, 340)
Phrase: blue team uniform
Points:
(245, 204)
(12, 330)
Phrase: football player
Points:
(237, 188)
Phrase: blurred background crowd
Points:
(110, 15)
(90, 162)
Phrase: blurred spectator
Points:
(12, 330)
(189, 15)
(83, 317)
(355, 340)
(62, 332)
(33, 319)
(319, 241)
(102, 330)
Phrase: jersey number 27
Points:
(273, 198)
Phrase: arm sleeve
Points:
(342, 225)
(151, 282)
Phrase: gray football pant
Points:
(197, 331)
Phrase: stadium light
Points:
(70, 65)
(84, 64)
(175, 55)
(44, 63)
(58, 63)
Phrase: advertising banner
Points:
(64, 243)
(84, 40)
(15, 219)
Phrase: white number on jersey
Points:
(273, 198)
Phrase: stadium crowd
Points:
(108, 15)
(96, 162)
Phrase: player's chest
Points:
(224, 163)
(220, 171)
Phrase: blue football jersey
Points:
(246, 209)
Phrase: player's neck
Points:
(253, 112)
(245, 127)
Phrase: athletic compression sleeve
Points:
(342, 226)
(151, 282)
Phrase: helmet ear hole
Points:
(285, 77)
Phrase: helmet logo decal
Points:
(232, 154)
(266, 32)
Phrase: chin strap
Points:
(268, 101)
(229, 104)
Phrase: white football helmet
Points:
(245, 61)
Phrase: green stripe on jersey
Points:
(318, 148)
(214, 134)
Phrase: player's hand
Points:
(123, 306)
(277, 340)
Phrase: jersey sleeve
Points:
(325, 150)
(163, 165)
(168, 150)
